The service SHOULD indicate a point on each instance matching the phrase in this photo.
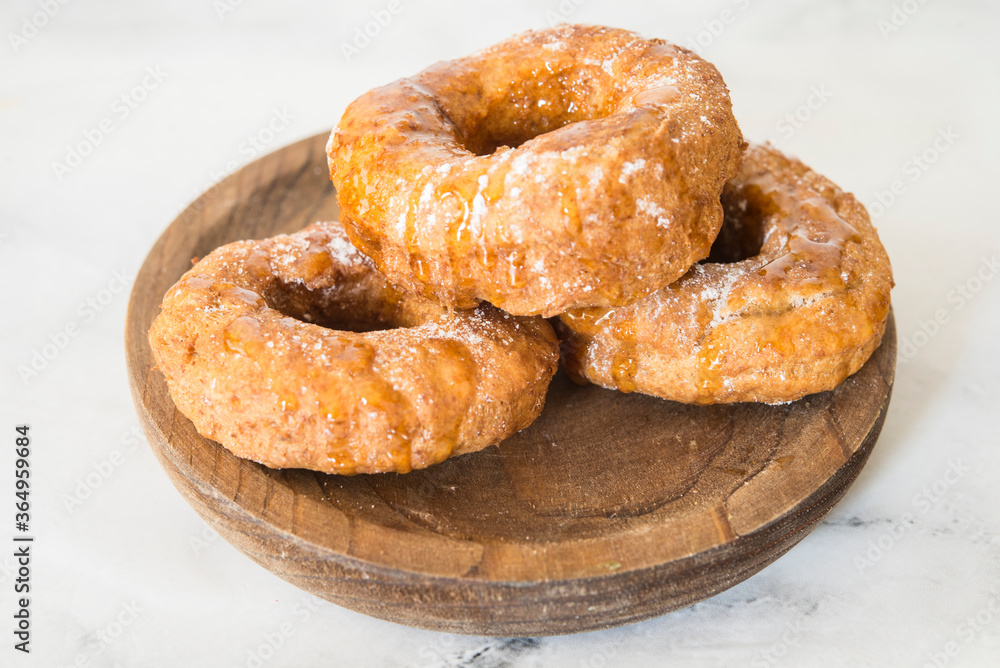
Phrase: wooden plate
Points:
(611, 508)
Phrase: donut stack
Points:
(580, 181)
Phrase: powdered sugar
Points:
(630, 168)
(343, 251)
(654, 210)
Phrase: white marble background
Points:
(903, 572)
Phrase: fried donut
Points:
(796, 317)
(252, 343)
(576, 166)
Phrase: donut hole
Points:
(510, 126)
(341, 308)
(742, 233)
(518, 111)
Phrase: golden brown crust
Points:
(576, 166)
(797, 318)
(250, 343)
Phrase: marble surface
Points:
(895, 100)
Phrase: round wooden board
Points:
(610, 509)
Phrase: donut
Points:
(296, 353)
(792, 300)
(570, 167)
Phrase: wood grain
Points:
(610, 509)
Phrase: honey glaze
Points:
(454, 205)
(485, 256)
(516, 277)
(611, 290)
(420, 269)
(313, 263)
(193, 283)
(459, 228)
(816, 236)
(243, 336)
(411, 246)
(234, 292)
(362, 238)
(369, 405)
(652, 97)
(352, 355)
(710, 380)
(624, 364)
(567, 204)
(454, 210)
(258, 264)
(288, 402)
(494, 188)
(455, 369)
(777, 339)
(586, 321)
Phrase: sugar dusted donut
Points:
(798, 316)
(575, 166)
(253, 345)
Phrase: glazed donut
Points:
(576, 166)
(252, 343)
(796, 317)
